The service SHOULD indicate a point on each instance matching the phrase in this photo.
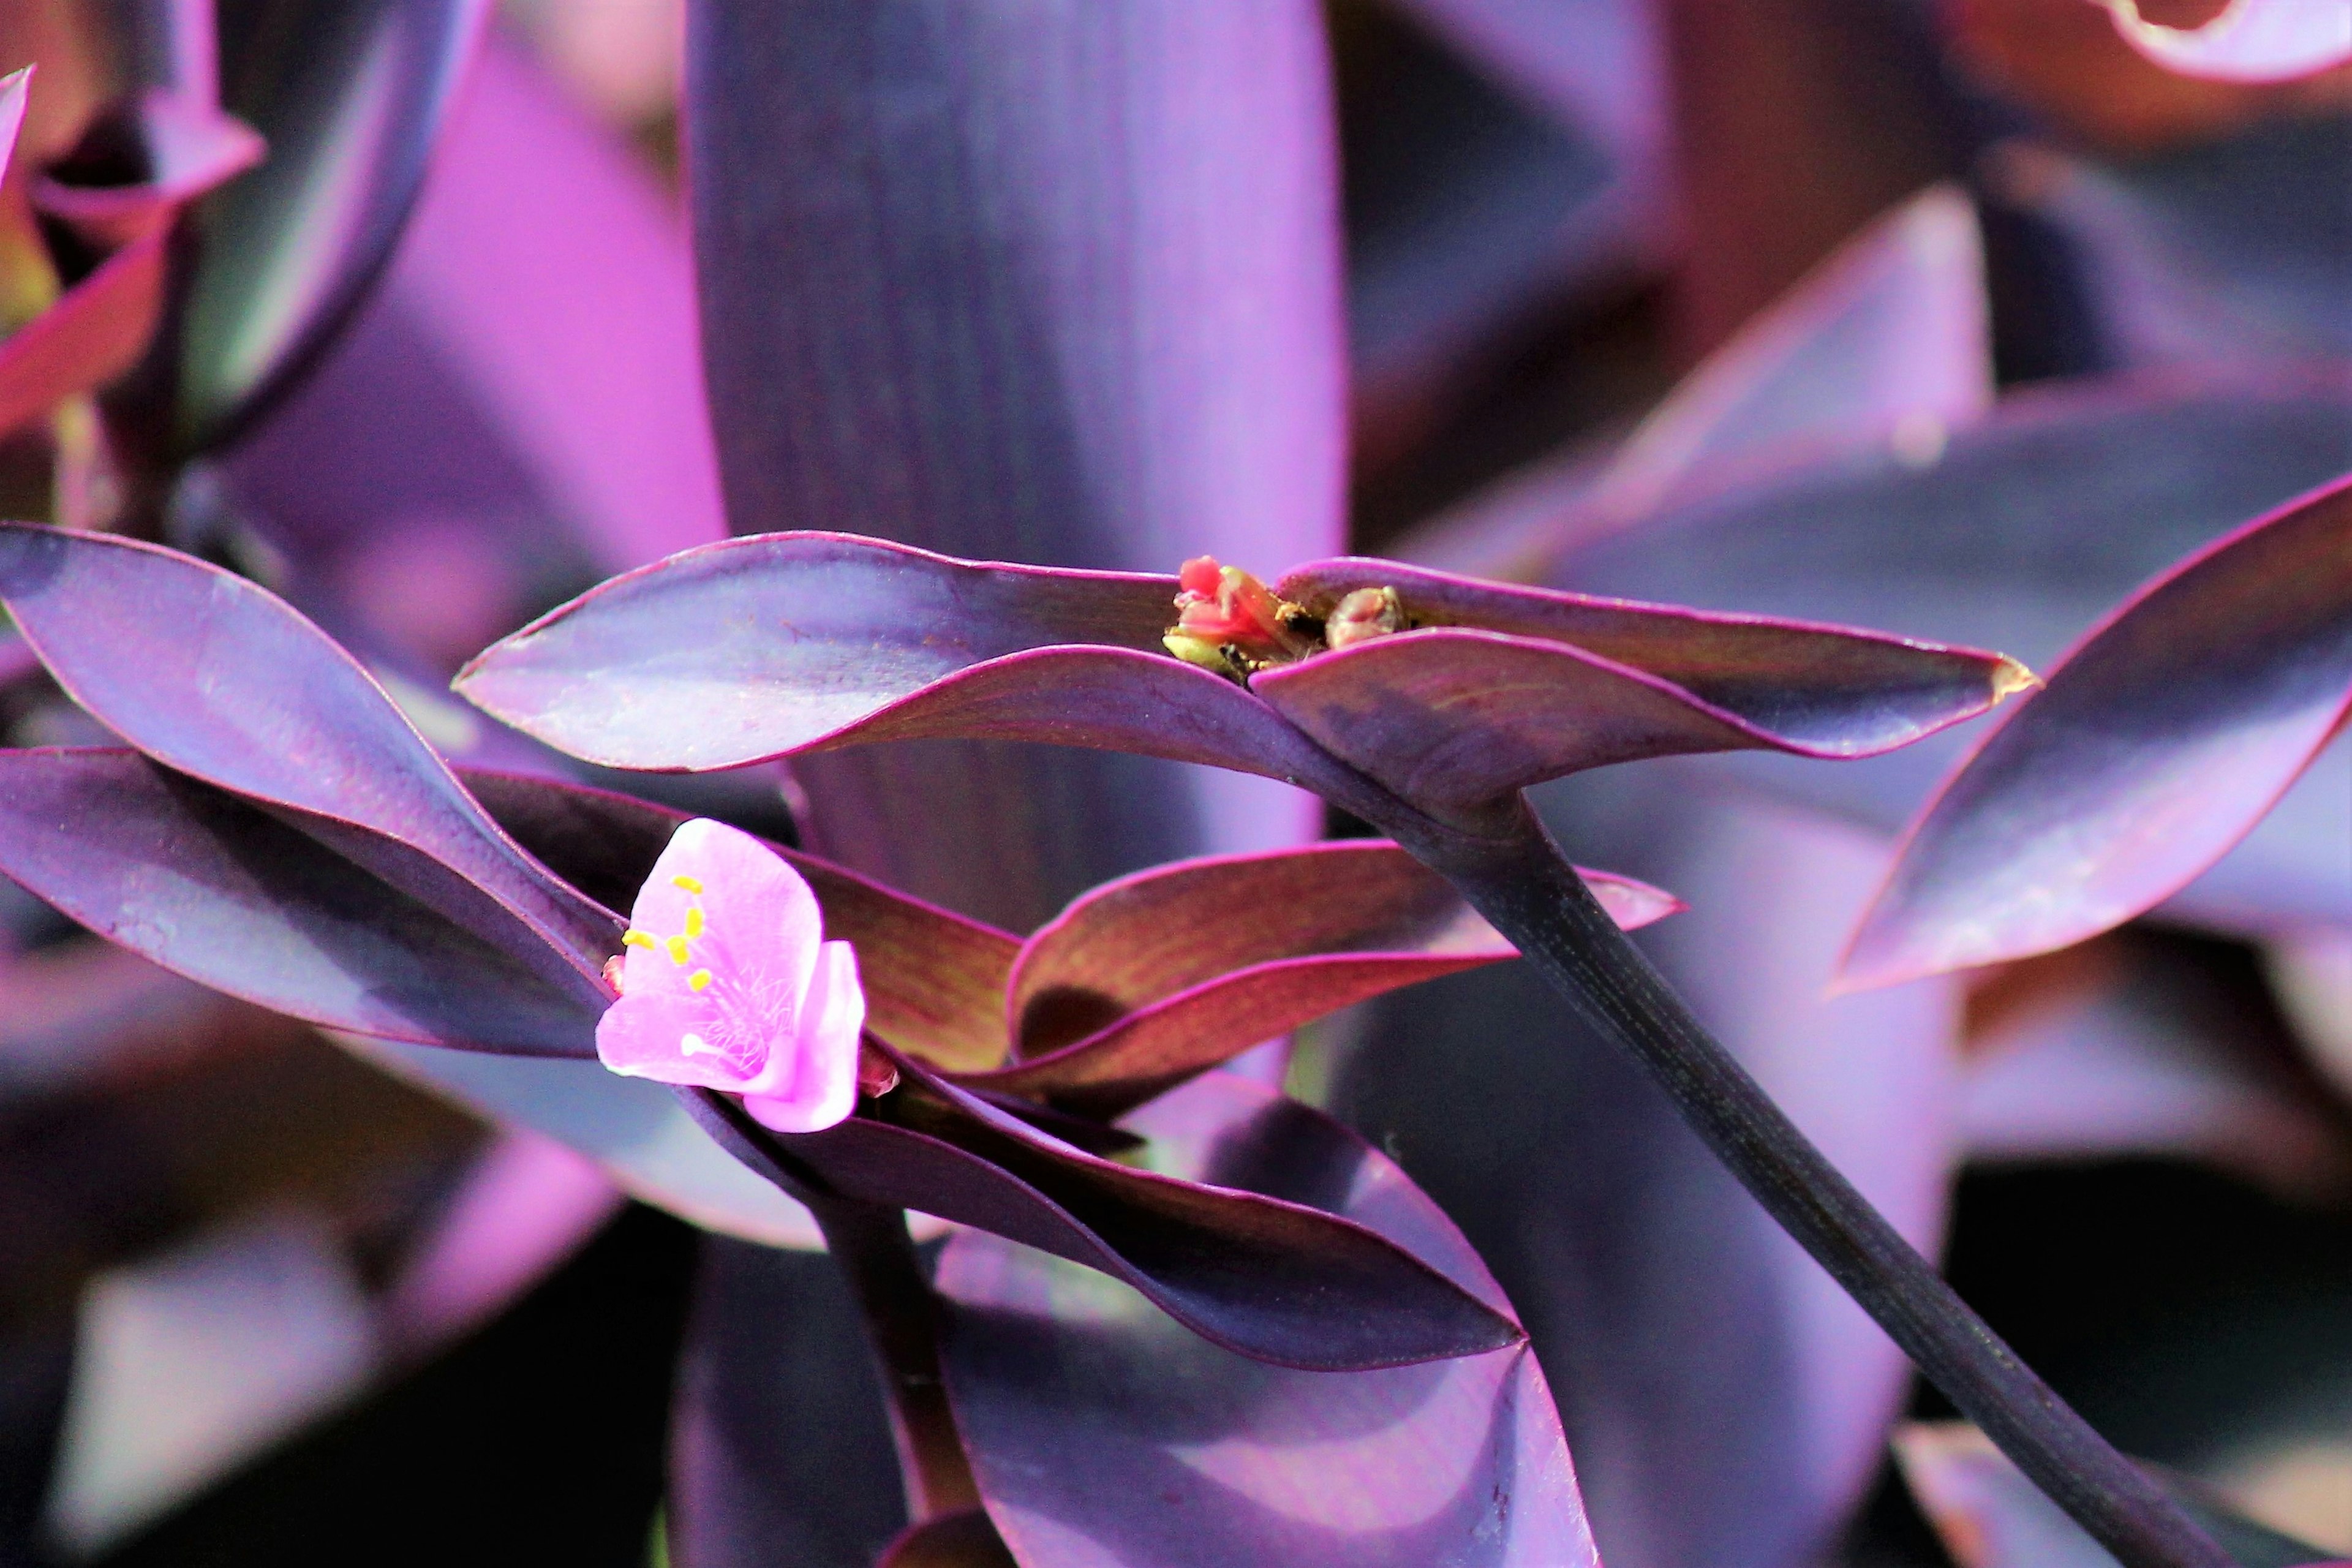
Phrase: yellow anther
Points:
(698, 980)
(635, 938)
(676, 946)
(694, 922)
(691, 884)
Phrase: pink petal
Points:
(823, 1069)
(723, 909)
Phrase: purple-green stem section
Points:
(871, 1247)
(1514, 874)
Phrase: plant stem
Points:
(870, 1244)
(1519, 878)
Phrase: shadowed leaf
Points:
(1102, 1434)
(251, 902)
(350, 95)
(965, 1540)
(95, 331)
(2160, 741)
(222, 680)
(1149, 980)
(1274, 1280)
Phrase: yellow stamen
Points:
(635, 938)
(676, 946)
(694, 922)
(698, 980)
(691, 884)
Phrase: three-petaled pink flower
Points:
(729, 983)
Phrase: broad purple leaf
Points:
(245, 900)
(351, 95)
(934, 981)
(1271, 1280)
(1887, 341)
(2025, 531)
(2235, 250)
(1501, 688)
(534, 331)
(2162, 739)
(1101, 1433)
(220, 679)
(806, 639)
(1064, 316)
(95, 331)
(2250, 41)
(1149, 980)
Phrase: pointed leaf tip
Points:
(2157, 745)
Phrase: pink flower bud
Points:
(727, 983)
(1366, 614)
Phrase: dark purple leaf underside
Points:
(220, 679)
(1102, 1434)
(2161, 740)
(1269, 1279)
(256, 903)
(1155, 977)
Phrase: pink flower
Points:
(729, 983)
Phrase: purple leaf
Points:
(248, 901)
(2250, 41)
(809, 641)
(1149, 980)
(2023, 532)
(220, 680)
(1271, 1280)
(1101, 1433)
(1062, 316)
(1885, 343)
(13, 89)
(1502, 688)
(2162, 739)
(286, 253)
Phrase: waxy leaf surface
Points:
(1102, 1434)
(252, 903)
(2162, 739)
(1151, 979)
(222, 680)
(1270, 1279)
(2028, 529)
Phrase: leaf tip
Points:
(2010, 677)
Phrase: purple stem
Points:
(1515, 875)
(870, 1244)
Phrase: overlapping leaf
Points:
(220, 680)
(1269, 1278)
(810, 641)
(2163, 738)
(1100, 1434)
(1146, 981)
(2027, 530)
(351, 95)
(245, 900)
